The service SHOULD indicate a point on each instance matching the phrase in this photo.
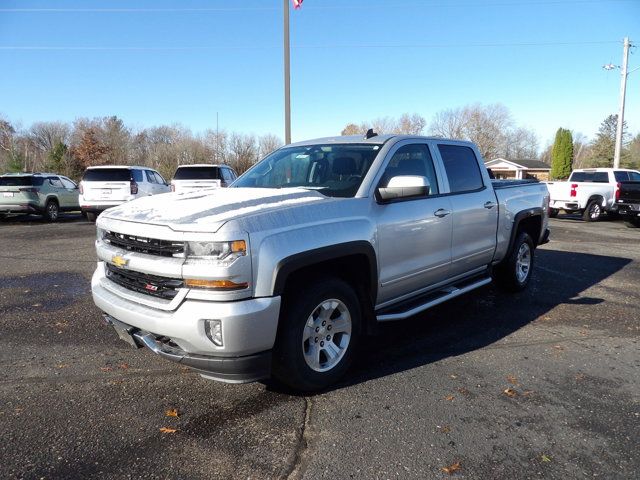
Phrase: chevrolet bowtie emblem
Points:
(118, 261)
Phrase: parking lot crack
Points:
(300, 458)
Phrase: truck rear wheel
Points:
(91, 216)
(515, 271)
(318, 334)
(593, 212)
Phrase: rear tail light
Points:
(134, 187)
(81, 189)
(617, 191)
(573, 192)
(29, 190)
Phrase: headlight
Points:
(100, 233)
(224, 253)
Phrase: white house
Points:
(519, 169)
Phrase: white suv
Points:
(189, 178)
(108, 186)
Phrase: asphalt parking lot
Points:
(541, 384)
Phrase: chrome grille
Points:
(162, 287)
(150, 246)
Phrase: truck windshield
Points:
(333, 170)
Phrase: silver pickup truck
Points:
(282, 274)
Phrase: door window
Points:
(462, 168)
(414, 160)
(67, 183)
(159, 178)
(55, 182)
(150, 176)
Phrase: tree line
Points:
(69, 148)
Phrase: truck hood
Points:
(207, 211)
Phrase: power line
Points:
(302, 46)
(366, 7)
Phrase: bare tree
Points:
(410, 124)
(267, 144)
(243, 152)
(45, 135)
(352, 129)
(581, 150)
(407, 124)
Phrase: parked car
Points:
(46, 194)
(281, 274)
(190, 178)
(628, 198)
(589, 191)
(109, 186)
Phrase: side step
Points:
(424, 302)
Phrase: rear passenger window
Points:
(601, 177)
(67, 183)
(137, 175)
(413, 159)
(462, 168)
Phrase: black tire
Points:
(632, 222)
(290, 366)
(509, 273)
(91, 216)
(553, 212)
(51, 211)
(593, 212)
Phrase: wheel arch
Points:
(529, 221)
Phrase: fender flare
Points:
(291, 264)
(520, 216)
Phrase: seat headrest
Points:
(344, 166)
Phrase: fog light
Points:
(213, 329)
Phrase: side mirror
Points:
(404, 186)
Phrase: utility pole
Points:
(287, 77)
(217, 137)
(623, 91)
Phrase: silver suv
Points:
(46, 194)
(108, 186)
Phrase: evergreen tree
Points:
(562, 154)
(604, 146)
(56, 159)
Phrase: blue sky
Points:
(166, 61)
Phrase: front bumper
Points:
(248, 330)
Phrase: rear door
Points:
(414, 235)
(107, 184)
(58, 191)
(475, 210)
(70, 192)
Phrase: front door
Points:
(414, 235)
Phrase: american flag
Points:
(297, 3)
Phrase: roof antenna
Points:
(370, 133)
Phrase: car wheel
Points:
(515, 271)
(51, 211)
(553, 212)
(91, 216)
(593, 212)
(318, 334)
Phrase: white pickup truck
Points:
(589, 191)
(281, 274)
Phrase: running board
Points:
(431, 300)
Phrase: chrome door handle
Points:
(441, 212)
(489, 204)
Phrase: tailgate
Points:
(11, 195)
(116, 191)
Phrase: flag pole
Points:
(287, 77)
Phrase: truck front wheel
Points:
(319, 332)
(515, 271)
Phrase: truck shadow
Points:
(482, 317)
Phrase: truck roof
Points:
(203, 165)
(603, 169)
(376, 140)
